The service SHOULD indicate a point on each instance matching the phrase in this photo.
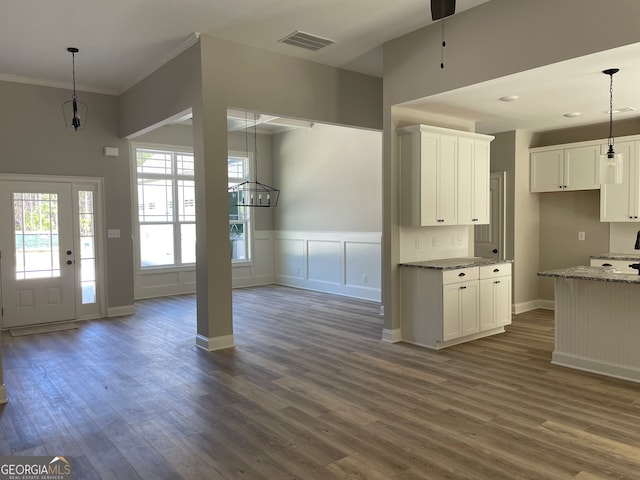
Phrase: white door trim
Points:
(100, 227)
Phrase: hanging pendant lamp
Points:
(74, 111)
(250, 193)
(611, 162)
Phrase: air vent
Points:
(306, 40)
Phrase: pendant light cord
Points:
(73, 69)
(611, 111)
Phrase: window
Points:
(87, 246)
(239, 165)
(166, 207)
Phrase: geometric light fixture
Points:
(611, 162)
(74, 111)
(253, 193)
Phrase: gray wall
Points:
(34, 140)
(330, 178)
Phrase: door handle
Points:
(495, 250)
(69, 262)
(68, 252)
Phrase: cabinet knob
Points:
(607, 265)
(497, 281)
(461, 274)
(496, 270)
(462, 287)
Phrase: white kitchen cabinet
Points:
(444, 176)
(495, 294)
(558, 169)
(621, 202)
(473, 181)
(445, 307)
(460, 313)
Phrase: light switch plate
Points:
(113, 233)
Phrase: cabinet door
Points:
(481, 174)
(547, 171)
(428, 187)
(465, 181)
(460, 310)
(582, 168)
(451, 327)
(468, 308)
(487, 304)
(446, 186)
(502, 300)
(619, 202)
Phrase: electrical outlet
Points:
(364, 278)
(434, 241)
(418, 243)
(581, 235)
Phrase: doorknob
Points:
(495, 250)
(68, 252)
(69, 262)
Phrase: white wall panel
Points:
(363, 264)
(324, 261)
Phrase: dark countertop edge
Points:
(585, 275)
(617, 256)
(480, 262)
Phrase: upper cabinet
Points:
(556, 169)
(621, 202)
(444, 176)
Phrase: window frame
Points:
(174, 177)
(248, 216)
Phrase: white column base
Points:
(391, 336)
(3, 395)
(214, 343)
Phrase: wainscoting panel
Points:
(344, 263)
(160, 283)
(324, 262)
(260, 270)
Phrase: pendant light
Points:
(611, 162)
(74, 111)
(250, 193)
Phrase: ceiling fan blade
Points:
(442, 8)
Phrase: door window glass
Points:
(35, 218)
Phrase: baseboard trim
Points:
(593, 366)
(213, 344)
(121, 311)
(532, 305)
(392, 336)
(3, 395)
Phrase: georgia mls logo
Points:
(35, 468)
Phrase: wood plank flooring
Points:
(310, 392)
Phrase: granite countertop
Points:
(454, 263)
(618, 256)
(600, 274)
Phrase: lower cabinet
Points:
(446, 307)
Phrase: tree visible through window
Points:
(166, 207)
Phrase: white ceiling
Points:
(122, 41)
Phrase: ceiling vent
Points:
(306, 40)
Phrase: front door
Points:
(37, 253)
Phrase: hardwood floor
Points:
(310, 392)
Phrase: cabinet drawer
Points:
(497, 270)
(460, 275)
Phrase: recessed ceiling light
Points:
(572, 114)
(620, 110)
(509, 98)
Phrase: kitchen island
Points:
(597, 320)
